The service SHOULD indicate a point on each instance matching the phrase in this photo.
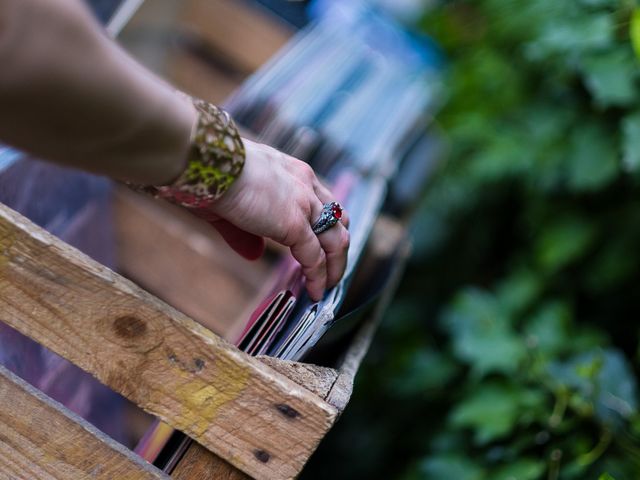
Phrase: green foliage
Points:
(493, 410)
(513, 349)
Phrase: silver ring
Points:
(331, 213)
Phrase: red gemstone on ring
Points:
(336, 210)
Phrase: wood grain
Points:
(199, 463)
(165, 249)
(314, 378)
(154, 355)
(40, 439)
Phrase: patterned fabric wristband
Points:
(215, 160)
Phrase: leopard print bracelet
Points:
(215, 160)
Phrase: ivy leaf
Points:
(494, 409)
(481, 334)
(631, 142)
(569, 34)
(634, 31)
(548, 329)
(610, 77)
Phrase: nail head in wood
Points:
(287, 411)
(262, 456)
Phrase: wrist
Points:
(210, 163)
(185, 120)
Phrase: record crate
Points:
(252, 417)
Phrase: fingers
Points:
(325, 196)
(335, 243)
(306, 249)
(248, 245)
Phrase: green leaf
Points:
(481, 334)
(521, 469)
(564, 241)
(571, 34)
(548, 328)
(610, 77)
(605, 476)
(631, 142)
(493, 410)
(634, 31)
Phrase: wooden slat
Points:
(164, 249)
(174, 368)
(245, 33)
(199, 463)
(40, 439)
(314, 378)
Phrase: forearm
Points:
(70, 95)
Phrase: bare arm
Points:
(71, 95)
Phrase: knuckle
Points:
(321, 262)
(294, 233)
(319, 267)
(307, 172)
(303, 203)
(306, 210)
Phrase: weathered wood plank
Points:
(146, 229)
(199, 463)
(40, 439)
(154, 355)
(314, 378)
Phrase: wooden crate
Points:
(260, 416)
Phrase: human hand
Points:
(279, 197)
